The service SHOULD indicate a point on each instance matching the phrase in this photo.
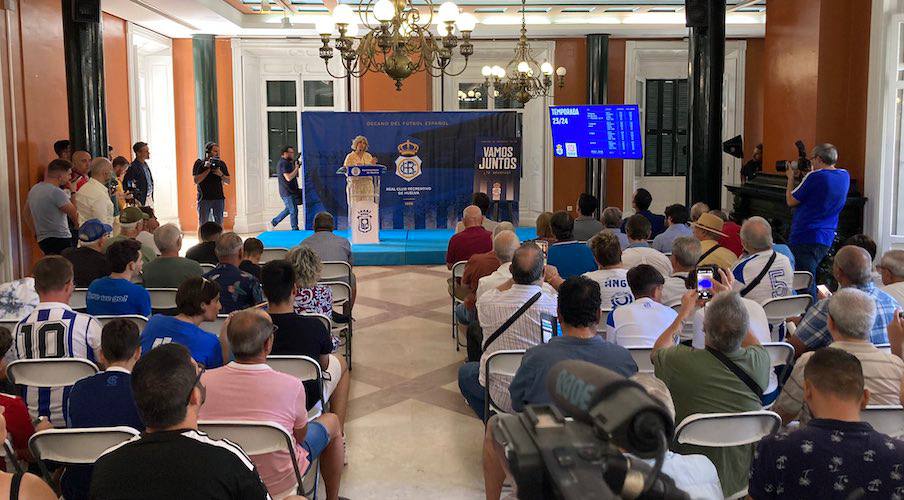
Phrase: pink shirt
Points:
(259, 393)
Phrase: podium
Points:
(363, 192)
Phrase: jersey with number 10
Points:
(53, 330)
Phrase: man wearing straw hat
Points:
(708, 229)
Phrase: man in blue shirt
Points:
(287, 181)
(641, 203)
(239, 290)
(116, 294)
(677, 217)
(818, 199)
(138, 179)
(104, 399)
(569, 257)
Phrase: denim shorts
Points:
(315, 441)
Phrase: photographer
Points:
(210, 174)
(818, 199)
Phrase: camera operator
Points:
(818, 199)
(210, 174)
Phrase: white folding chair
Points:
(258, 438)
(305, 369)
(206, 268)
(342, 294)
(49, 372)
(801, 280)
(781, 354)
(336, 270)
(886, 348)
(140, 321)
(9, 455)
(458, 270)
(162, 299)
(500, 363)
(642, 359)
(79, 299)
(779, 309)
(887, 419)
(215, 326)
(76, 446)
(725, 430)
(275, 253)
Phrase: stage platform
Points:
(397, 247)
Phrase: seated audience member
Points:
(177, 460)
(481, 201)
(205, 251)
(18, 299)
(104, 399)
(569, 256)
(641, 203)
(639, 323)
(676, 219)
(504, 272)
(88, 259)
(585, 225)
(14, 410)
(701, 381)
(732, 238)
(851, 314)
(22, 485)
(332, 248)
(494, 309)
(116, 295)
(78, 334)
(267, 395)
(851, 269)
(303, 335)
(698, 209)
(472, 239)
(252, 249)
(708, 229)
(639, 251)
(544, 230)
(197, 301)
(150, 226)
(238, 289)
(612, 219)
(891, 268)
(481, 265)
(310, 296)
(131, 222)
(865, 242)
(762, 274)
(169, 270)
(836, 455)
(685, 254)
(612, 275)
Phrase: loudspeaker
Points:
(697, 12)
(86, 11)
(734, 146)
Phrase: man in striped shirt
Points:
(54, 330)
(851, 314)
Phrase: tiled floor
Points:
(410, 433)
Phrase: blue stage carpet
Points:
(397, 247)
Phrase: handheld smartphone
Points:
(549, 327)
(543, 244)
(824, 290)
(705, 277)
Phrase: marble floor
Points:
(410, 433)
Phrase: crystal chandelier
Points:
(400, 42)
(523, 78)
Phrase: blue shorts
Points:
(315, 441)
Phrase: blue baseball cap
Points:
(93, 230)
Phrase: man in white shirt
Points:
(494, 308)
(891, 267)
(685, 254)
(640, 323)
(612, 275)
(639, 252)
(93, 200)
(775, 281)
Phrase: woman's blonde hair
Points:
(358, 139)
(544, 229)
(307, 265)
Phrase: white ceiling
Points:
(497, 18)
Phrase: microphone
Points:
(619, 407)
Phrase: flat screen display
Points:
(596, 131)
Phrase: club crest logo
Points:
(356, 171)
(364, 221)
(408, 165)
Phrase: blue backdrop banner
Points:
(431, 160)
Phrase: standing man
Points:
(138, 178)
(210, 174)
(819, 198)
(93, 199)
(49, 206)
(81, 161)
(287, 179)
(63, 149)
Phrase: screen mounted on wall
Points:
(596, 131)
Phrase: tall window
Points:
(898, 86)
(282, 112)
(666, 128)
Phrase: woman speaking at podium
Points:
(359, 155)
(359, 188)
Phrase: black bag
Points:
(474, 339)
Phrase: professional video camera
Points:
(551, 456)
(802, 163)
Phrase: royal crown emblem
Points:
(408, 148)
(408, 165)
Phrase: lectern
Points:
(363, 191)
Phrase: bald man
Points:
(852, 268)
(473, 239)
(93, 199)
(81, 164)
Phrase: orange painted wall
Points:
(569, 173)
(616, 94)
(378, 93)
(753, 95)
(226, 121)
(186, 131)
(116, 85)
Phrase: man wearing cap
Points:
(132, 222)
(708, 229)
(93, 199)
(88, 260)
(210, 173)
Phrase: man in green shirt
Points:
(701, 383)
(169, 270)
(131, 222)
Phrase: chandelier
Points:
(523, 78)
(400, 42)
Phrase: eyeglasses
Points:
(197, 383)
